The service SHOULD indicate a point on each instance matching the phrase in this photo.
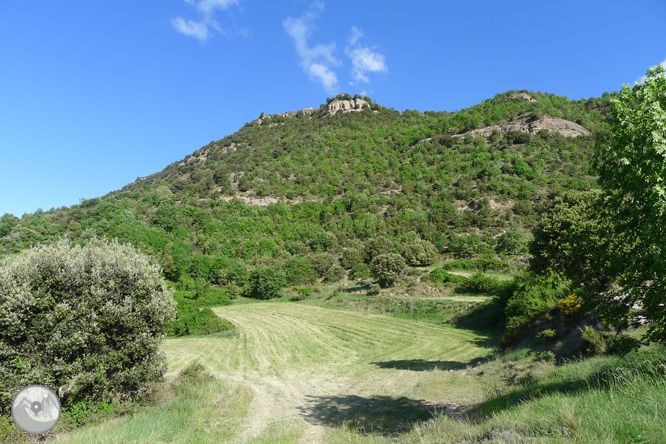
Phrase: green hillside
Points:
(300, 184)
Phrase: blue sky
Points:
(94, 94)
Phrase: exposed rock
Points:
(523, 96)
(307, 111)
(555, 124)
(346, 105)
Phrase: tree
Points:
(85, 321)
(572, 238)
(387, 268)
(266, 283)
(420, 253)
(632, 172)
(511, 242)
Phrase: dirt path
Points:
(309, 367)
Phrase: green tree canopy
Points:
(632, 170)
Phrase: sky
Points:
(94, 94)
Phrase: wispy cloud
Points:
(364, 59)
(203, 28)
(317, 61)
(198, 30)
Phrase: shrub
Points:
(321, 263)
(266, 283)
(387, 268)
(195, 320)
(374, 290)
(570, 306)
(440, 275)
(477, 264)
(420, 253)
(534, 295)
(351, 257)
(236, 272)
(360, 271)
(547, 335)
(335, 273)
(377, 246)
(299, 271)
(479, 283)
(85, 320)
(511, 242)
(595, 342)
(323, 241)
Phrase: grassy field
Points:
(300, 373)
(297, 373)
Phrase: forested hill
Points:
(318, 182)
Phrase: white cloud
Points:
(208, 6)
(327, 77)
(202, 29)
(357, 35)
(316, 60)
(198, 30)
(364, 59)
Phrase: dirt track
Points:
(311, 367)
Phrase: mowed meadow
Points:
(301, 373)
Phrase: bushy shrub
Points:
(466, 245)
(420, 253)
(387, 268)
(535, 295)
(321, 263)
(360, 271)
(377, 246)
(351, 257)
(236, 272)
(323, 241)
(512, 242)
(84, 321)
(477, 264)
(267, 282)
(440, 275)
(479, 283)
(192, 319)
(335, 273)
(299, 271)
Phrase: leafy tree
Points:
(7, 223)
(321, 263)
(299, 271)
(86, 321)
(267, 282)
(511, 242)
(571, 239)
(632, 173)
(420, 253)
(378, 246)
(387, 268)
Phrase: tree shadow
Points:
(378, 415)
(421, 365)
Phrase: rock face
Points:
(555, 124)
(523, 96)
(346, 105)
(306, 111)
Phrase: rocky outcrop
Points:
(522, 96)
(525, 125)
(346, 105)
(306, 111)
